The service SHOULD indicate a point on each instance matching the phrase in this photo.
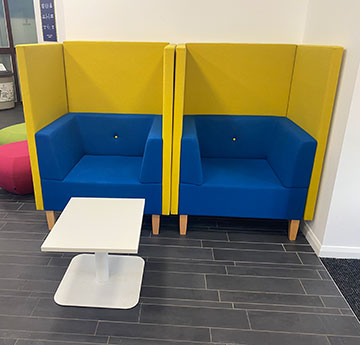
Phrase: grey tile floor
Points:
(228, 282)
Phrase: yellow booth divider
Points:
(257, 79)
(313, 90)
(168, 103)
(43, 87)
(84, 77)
(180, 71)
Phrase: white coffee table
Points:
(100, 226)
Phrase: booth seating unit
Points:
(250, 129)
(99, 122)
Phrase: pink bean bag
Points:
(15, 171)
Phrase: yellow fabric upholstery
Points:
(102, 77)
(42, 78)
(114, 77)
(180, 71)
(238, 79)
(311, 102)
(257, 79)
(168, 101)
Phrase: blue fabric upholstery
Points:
(59, 147)
(102, 176)
(291, 154)
(217, 133)
(252, 166)
(241, 188)
(114, 134)
(101, 155)
(190, 161)
(151, 168)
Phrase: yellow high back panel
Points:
(311, 102)
(180, 69)
(238, 79)
(114, 77)
(43, 87)
(168, 102)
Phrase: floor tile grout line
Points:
(205, 282)
(225, 275)
(226, 248)
(96, 328)
(317, 271)
(140, 309)
(35, 306)
(299, 257)
(285, 266)
(242, 309)
(328, 340)
(248, 319)
(210, 335)
(228, 237)
(176, 340)
(20, 205)
(302, 285)
(222, 328)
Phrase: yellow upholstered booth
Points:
(263, 80)
(98, 78)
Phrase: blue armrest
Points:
(59, 148)
(190, 161)
(291, 154)
(151, 168)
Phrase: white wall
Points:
(335, 225)
(180, 21)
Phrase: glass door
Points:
(17, 26)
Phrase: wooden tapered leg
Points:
(183, 224)
(50, 217)
(293, 229)
(155, 224)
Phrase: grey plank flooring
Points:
(230, 281)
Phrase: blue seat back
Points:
(114, 134)
(229, 136)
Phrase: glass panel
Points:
(4, 41)
(7, 86)
(22, 21)
(5, 59)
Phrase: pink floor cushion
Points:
(15, 171)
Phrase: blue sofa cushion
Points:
(241, 188)
(114, 134)
(106, 169)
(289, 149)
(102, 176)
(61, 144)
(233, 136)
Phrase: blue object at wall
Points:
(244, 166)
(101, 155)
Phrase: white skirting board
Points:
(337, 252)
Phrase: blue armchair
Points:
(101, 155)
(244, 166)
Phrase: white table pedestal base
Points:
(85, 282)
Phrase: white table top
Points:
(97, 225)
